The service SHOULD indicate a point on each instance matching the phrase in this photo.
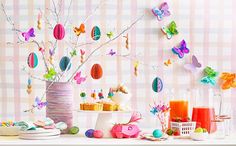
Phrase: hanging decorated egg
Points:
(157, 85)
(59, 32)
(32, 60)
(64, 62)
(96, 33)
(96, 71)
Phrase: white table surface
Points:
(79, 140)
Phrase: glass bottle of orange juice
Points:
(179, 106)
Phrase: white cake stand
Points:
(104, 120)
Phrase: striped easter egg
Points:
(59, 32)
(95, 33)
(32, 60)
(64, 62)
(157, 85)
(96, 71)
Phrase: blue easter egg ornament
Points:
(64, 62)
(157, 85)
(95, 33)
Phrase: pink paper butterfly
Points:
(82, 52)
(194, 65)
(78, 78)
(39, 104)
(162, 11)
(28, 34)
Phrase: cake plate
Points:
(104, 120)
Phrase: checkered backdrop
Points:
(207, 26)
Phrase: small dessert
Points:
(91, 106)
(109, 106)
(121, 96)
(199, 134)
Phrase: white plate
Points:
(40, 130)
(9, 131)
(40, 134)
(39, 138)
(90, 111)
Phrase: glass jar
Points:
(227, 123)
(220, 129)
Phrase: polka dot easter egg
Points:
(95, 33)
(59, 32)
(157, 85)
(64, 62)
(32, 60)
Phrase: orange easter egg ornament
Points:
(96, 71)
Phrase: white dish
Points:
(40, 131)
(199, 136)
(9, 131)
(39, 138)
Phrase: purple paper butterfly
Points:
(51, 52)
(39, 104)
(181, 50)
(28, 34)
(194, 65)
(162, 11)
(111, 52)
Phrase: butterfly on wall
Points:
(110, 34)
(181, 50)
(78, 78)
(51, 74)
(168, 62)
(79, 30)
(73, 53)
(194, 65)
(27, 35)
(228, 80)
(39, 104)
(162, 11)
(82, 52)
(209, 76)
(170, 30)
(111, 52)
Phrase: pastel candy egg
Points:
(157, 133)
(64, 62)
(74, 130)
(96, 71)
(89, 133)
(157, 85)
(95, 33)
(59, 32)
(98, 134)
(32, 60)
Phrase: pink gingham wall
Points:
(207, 26)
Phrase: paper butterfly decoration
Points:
(39, 104)
(136, 64)
(168, 62)
(39, 23)
(29, 34)
(181, 50)
(162, 11)
(111, 52)
(126, 41)
(78, 78)
(228, 80)
(209, 76)
(50, 75)
(51, 52)
(170, 30)
(194, 65)
(41, 50)
(82, 52)
(73, 53)
(79, 30)
(110, 34)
